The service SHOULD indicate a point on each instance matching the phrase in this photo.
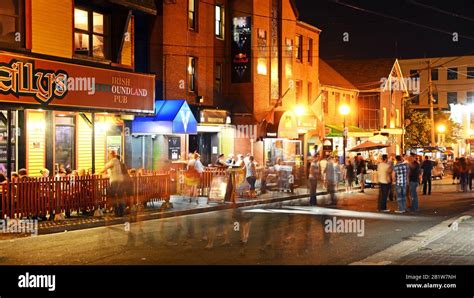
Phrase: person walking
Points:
(251, 175)
(427, 168)
(455, 170)
(471, 172)
(349, 175)
(384, 175)
(414, 178)
(113, 168)
(463, 173)
(314, 174)
(361, 171)
(331, 179)
(400, 176)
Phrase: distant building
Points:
(381, 91)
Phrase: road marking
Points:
(417, 242)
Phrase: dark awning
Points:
(147, 6)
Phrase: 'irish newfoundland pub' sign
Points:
(26, 80)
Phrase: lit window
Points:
(192, 74)
(192, 14)
(90, 35)
(219, 21)
(299, 48)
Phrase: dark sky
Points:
(373, 36)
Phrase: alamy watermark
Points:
(347, 226)
(412, 84)
(19, 226)
(76, 84)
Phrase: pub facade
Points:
(69, 80)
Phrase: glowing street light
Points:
(300, 110)
(344, 109)
(441, 128)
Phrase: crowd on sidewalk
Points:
(397, 177)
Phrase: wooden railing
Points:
(45, 196)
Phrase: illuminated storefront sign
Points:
(171, 117)
(241, 50)
(26, 80)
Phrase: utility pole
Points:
(430, 98)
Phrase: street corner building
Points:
(70, 79)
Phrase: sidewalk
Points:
(180, 206)
(455, 247)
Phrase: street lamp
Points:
(300, 110)
(344, 110)
(441, 131)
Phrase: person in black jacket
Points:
(427, 168)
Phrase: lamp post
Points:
(441, 134)
(344, 110)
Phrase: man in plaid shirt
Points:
(400, 177)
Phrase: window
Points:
(397, 120)
(415, 99)
(414, 73)
(11, 23)
(299, 48)
(192, 74)
(90, 33)
(337, 99)
(218, 84)
(310, 92)
(192, 14)
(435, 98)
(470, 97)
(434, 74)
(64, 141)
(219, 21)
(326, 101)
(310, 51)
(452, 98)
(298, 91)
(452, 73)
(470, 72)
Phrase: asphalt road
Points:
(278, 234)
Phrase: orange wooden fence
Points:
(42, 196)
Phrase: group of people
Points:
(195, 170)
(463, 172)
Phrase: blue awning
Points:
(171, 117)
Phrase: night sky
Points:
(374, 36)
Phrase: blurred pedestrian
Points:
(361, 172)
(251, 175)
(331, 179)
(113, 168)
(414, 178)
(463, 173)
(314, 175)
(349, 175)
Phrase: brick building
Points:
(78, 59)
